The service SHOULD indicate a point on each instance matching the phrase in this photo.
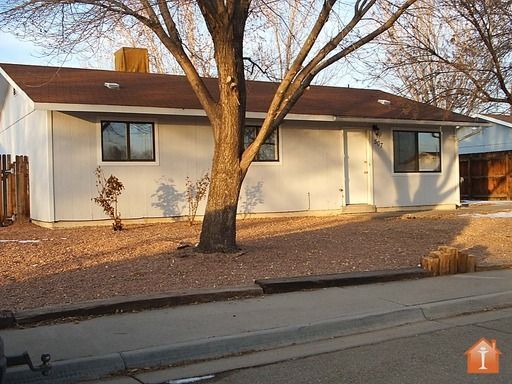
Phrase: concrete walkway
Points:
(96, 347)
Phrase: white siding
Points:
(24, 131)
(415, 189)
(308, 175)
(151, 189)
(487, 139)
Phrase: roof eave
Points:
(63, 107)
(408, 122)
(251, 115)
(19, 90)
(494, 120)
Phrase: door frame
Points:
(369, 159)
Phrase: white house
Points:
(495, 137)
(339, 150)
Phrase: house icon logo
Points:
(483, 357)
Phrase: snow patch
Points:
(20, 241)
(486, 202)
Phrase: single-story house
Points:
(339, 149)
(485, 155)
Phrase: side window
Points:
(269, 150)
(416, 151)
(127, 141)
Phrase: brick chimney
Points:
(132, 60)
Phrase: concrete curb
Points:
(466, 305)
(492, 267)
(128, 304)
(218, 347)
(69, 371)
(121, 304)
(267, 339)
(291, 284)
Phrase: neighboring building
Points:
(339, 149)
(485, 155)
(495, 137)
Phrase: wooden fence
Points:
(486, 176)
(14, 190)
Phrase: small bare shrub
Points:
(195, 192)
(108, 192)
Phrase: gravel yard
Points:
(41, 267)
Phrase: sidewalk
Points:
(92, 348)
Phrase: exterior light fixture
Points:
(112, 85)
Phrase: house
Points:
(496, 136)
(483, 357)
(339, 149)
(485, 155)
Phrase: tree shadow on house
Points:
(252, 196)
(168, 199)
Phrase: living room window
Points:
(416, 151)
(127, 141)
(269, 150)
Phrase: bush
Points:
(195, 192)
(108, 192)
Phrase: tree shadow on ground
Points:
(272, 248)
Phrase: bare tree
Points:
(452, 53)
(65, 22)
(275, 35)
(138, 35)
(132, 33)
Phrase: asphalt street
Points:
(417, 353)
(436, 357)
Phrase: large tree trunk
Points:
(219, 225)
(218, 232)
(226, 25)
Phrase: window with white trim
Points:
(127, 141)
(415, 151)
(269, 150)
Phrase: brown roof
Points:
(505, 118)
(86, 86)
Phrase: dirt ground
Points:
(41, 267)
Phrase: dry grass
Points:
(72, 265)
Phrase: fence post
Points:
(11, 194)
(14, 190)
(22, 189)
(3, 190)
(7, 190)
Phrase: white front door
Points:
(356, 166)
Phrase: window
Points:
(417, 151)
(127, 141)
(269, 150)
